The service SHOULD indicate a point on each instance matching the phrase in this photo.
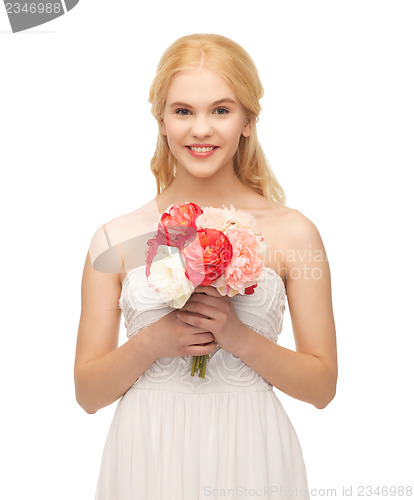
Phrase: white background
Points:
(77, 137)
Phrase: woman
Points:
(174, 435)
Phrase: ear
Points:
(162, 127)
(247, 129)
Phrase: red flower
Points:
(250, 290)
(184, 214)
(176, 228)
(207, 256)
(177, 225)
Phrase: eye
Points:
(222, 111)
(182, 111)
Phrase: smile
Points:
(201, 151)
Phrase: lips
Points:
(201, 150)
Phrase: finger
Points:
(202, 308)
(198, 350)
(208, 300)
(203, 338)
(195, 320)
(208, 290)
(193, 329)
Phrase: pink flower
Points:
(246, 265)
(224, 218)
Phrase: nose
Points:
(201, 126)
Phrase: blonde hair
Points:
(235, 66)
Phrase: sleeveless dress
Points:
(180, 437)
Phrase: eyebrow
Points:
(220, 101)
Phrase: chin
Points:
(203, 175)
(200, 173)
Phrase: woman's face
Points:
(201, 111)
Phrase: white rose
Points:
(167, 276)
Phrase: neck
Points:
(210, 191)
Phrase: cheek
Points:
(233, 129)
(175, 137)
(175, 130)
(233, 136)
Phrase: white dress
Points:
(180, 437)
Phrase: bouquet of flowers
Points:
(202, 247)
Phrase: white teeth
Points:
(201, 150)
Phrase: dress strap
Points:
(110, 246)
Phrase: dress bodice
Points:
(262, 312)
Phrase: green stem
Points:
(203, 371)
(199, 365)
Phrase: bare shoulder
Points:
(290, 236)
(288, 226)
(298, 229)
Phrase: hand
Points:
(172, 337)
(210, 311)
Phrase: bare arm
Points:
(300, 375)
(103, 371)
(310, 373)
